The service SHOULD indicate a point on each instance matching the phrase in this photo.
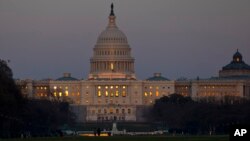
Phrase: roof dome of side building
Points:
(66, 77)
(237, 67)
(157, 77)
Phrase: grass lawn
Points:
(130, 138)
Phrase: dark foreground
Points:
(130, 138)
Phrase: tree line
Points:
(183, 115)
(22, 116)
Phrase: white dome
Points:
(112, 35)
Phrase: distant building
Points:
(233, 83)
(112, 93)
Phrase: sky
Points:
(179, 38)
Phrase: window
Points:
(117, 111)
(111, 110)
(129, 111)
(106, 93)
(145, 94)
(60, 94)
(123, 93)
(116, 93)
(99, 93)
(157, 93)
(66, 93)
(123, 111)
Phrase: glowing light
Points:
(60, 94)
(99, 93)
(116, 93)
(157, 93)
(66, 93)
(112, 66)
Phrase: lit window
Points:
(106, 93)
(146, 94)
(66, 93)
(55, 87)
(60, 94)
(150, 87)
(157, 87)
(106, 87)
(123, 87)
(66, 87)
(157, 93)
(41, 88)
(112, 66)
(150, 93)
(45, 88)
(123, 93)
(78, 94)
(111, 87)
(111, 94)
(99, 87)
(116, 93)
(54, 93)
(99, 93)
(116, 87)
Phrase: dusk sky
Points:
(179, 38)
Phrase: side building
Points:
(233, 83)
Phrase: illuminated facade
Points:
(112, 93)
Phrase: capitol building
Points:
(111, 92)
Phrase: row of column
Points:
(117, 66)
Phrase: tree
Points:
(11, 102)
